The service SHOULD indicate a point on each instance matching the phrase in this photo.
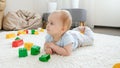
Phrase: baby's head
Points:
(60, 19)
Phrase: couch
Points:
(2, 7)
(78, 15)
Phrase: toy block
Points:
(41, 30)
(28, 45)
(17, 43)
(36, 33)
(22, 32)
(117, 65)
(17, 38)
(26, 31)
(11, 35)
(23, 52)
(33, 31)
(44, 58)
(35, 50)
(19, 32)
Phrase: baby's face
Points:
(54, 25)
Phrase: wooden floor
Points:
(107, 30)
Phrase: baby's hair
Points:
(65, 17)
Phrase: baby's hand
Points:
(48, 51)
(50, 45)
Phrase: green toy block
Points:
(23, 52)
(35, 50)
(44, 58)
(17, 38)
(32, 31)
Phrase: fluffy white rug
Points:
(103, 54)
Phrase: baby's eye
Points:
(51, 23)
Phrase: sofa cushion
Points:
(21, 20)
(2, 7)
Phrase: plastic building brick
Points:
(33, 31)
(26, 31)
(11, 35)
(28, 45)
(17, 38)
(23, 52)
(44, 58)
(36, 33)
(35, 50)
(117, 65)
(22, 32)
(41, 30)
(17, 43)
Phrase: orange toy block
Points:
(28, 45)
(36, 33)
(22, 32)
(11, 35)
(17, 43)
(26, 31)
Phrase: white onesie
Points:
(75, 37)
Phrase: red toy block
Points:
(17, 43)
(26, 31)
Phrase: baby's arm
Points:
(65, 51)
(47, 49)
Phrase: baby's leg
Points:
(79, 28)
(76, 29)
(87, 30)
(88, 36)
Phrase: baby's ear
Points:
(64, 29)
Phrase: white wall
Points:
(107, 13)
(66, 4)
(102, 12)
(13, 5)
(39, 6)
(89, 5)
(99, 12)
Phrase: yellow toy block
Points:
(21, 32)
(41, 30)
(117, 65)
(11, 35)
(36, 33)
(28, 45)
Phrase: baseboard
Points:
(96, 26)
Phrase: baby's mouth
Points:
(48, 30)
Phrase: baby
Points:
(60, 39)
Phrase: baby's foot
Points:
(82, 29)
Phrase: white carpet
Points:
(103, 54)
